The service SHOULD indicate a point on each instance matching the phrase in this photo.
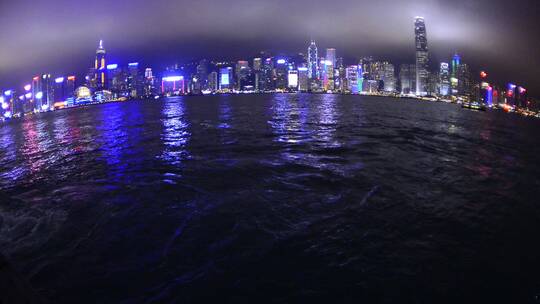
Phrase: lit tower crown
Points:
(100, 65)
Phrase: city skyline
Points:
(247, 28)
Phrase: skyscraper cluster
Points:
(317, 71)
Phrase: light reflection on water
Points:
(175, 136)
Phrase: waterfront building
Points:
(422, 57)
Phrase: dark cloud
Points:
(60, 36)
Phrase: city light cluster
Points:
(310, 73)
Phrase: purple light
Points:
(59, 80)
(8, 93)
(112, 66)
(133, 64)
(28, 95)
(281, 61)
(39, 95)
(27, 87)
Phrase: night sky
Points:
(60, 37)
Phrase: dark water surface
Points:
(273, 198)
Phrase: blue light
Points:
(8, 92)
(281, 61)
(112, 66)
(133, 64)
(39, 95)
(59, 80)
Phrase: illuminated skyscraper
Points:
(464, 80)
(456, 62)
(100, 66)
(422, 57)
(243, 73)
(444, 78)
(353, 76)
(313, 70)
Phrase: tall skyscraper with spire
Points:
(422, 57)
(313, 71)
(100, 66)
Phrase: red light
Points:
(36, 78)
(71, 78)
(483, 74)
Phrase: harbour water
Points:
(273, 198)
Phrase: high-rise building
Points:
(422, 57)
(202, 74)
(293, 80)
(70, 88)
(303, 79)
(213, 81)
(134, 81)
(313, 72)
(454, 82)
(331, 56)
(281, 73)
(150, 88)
(444, 78)
(407, 78)
(388, 77)
(352, 77)
(243, 73)
(100, 67)
(37, 92)
(433, 84)
(464, 80)
(226, 80)
(257, 70)
(266, 77)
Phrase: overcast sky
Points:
(61, 36)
